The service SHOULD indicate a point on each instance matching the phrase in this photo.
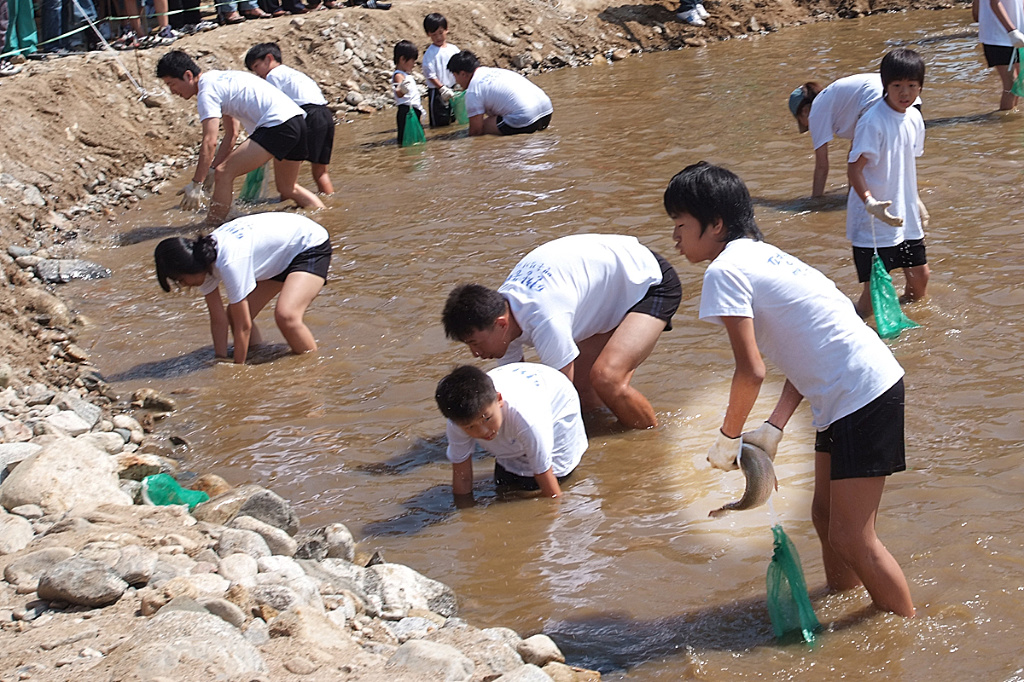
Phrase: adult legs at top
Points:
(844, 514)
(611, 368)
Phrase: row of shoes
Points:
(695, 16)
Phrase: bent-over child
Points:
(770, 302)
(526, 415)
(883, 209)
(265, 61)
(404, 86)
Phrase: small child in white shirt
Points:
(406, 91)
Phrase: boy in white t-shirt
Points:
(999, 32)
(435, 69)
(770, 302)
(592, 305)
(404, 87)
(526, 415)
(265, 61)
(883, 210)
(499, 101)
(273, 121)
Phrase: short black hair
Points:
(177, 256)
(405, 50)
(470, 308)
(464, 394)
(464, 62)
(710, 193)
(259, 52)
(174, 64)
(902, 64)
(434, 21)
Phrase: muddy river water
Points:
(627, 573)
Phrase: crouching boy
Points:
(526, 415)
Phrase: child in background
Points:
(883, 174)
(265, 61)
(526, 415)
(435, 68)
(407, 92)
(999, 24)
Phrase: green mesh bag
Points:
(162, 489)
(252, 188)
(789, 605)
(1018, 84)
(459, 107)
(413, 133)
(889, 317)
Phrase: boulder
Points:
(13, 453)
(306, 625)
(15, 533)
(399, 589)
(66, 473)
(64, 270)
(432, 661)
(25, 571)
(271, 508)
(539, 650)
(277, 540)
(225, 610)
(525, 673)
(81, 581)
(237, 567)
(136, 564)
(234, 540)
(68, 422)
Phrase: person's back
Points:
(504, 93)
(836, 109)
(246, 97)
(298, 86)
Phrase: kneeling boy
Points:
(526, 415)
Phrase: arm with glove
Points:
(879, 209)
(746, 384)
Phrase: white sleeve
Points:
(460, 445)
(726, 293)
(536, 435)
(867, 141)
(554, 343)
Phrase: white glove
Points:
(402, 89)
(766, 437)
(925, 216)
(194, 196)
(880, 209)
(725, 453)
(446, 93)
(1016, 37)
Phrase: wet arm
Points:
(211, 127)
(462, 478)
(548, 483)
(820, 170)
(476, 125)
(747, 377)
(218, 323)
(228, 143)
(855, 174)
(241, 325)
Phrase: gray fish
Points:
(759, 471)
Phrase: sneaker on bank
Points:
(691, 17)
(701, 11)
(8, 69)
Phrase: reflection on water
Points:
(627, 573)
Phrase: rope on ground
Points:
(143, 94)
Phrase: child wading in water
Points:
(406, 91)
(769, 301)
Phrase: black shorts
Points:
(540, 124)
(505, 478)
(906, 254)
(440, 111)
(319, 133)
(285, 141)
(315, 260)
(997, 55)
(662, 299)
(868, 442)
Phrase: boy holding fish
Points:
(769, 301)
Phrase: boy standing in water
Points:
(405, 88)
(526, 415)
(273, 121)
(265, 61)
(769, 301)
(435, 68)
(883, 181)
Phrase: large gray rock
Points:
(539, 650)
(15, 533)
(13, 453)
(399, 589)
(238, 567)
(66, 473)
(25, 571)
(271, 508)
(234, 540)
(136, 564)
(81, 581)
(225, 610)
(64, 270)
(89, 413)
(108, 441)
(279, 597)
(277, 540)
(333, 541)
(68, 422)
(181, 645)
(432, 661)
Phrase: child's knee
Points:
(287, 319)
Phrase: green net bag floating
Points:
(889, 317)
(252, 188)
(1018, 84)
(789, 605)
(459, 107)
(162, 489)
(413, 133)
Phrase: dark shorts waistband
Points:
(870, 441)
(315, 260)
(662, 299)
(908, 254)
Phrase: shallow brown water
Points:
(627, 573)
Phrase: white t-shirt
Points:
(990, 30)
(412, 94)
(257, 247)
(500, 92)
(541, 425)
(803, 324)
(573, 288)
(254, 102)
(890, 141)
(301, 88)
(837, 108)
(435, 64)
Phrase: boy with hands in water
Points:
(769, 301)
(883, 210)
